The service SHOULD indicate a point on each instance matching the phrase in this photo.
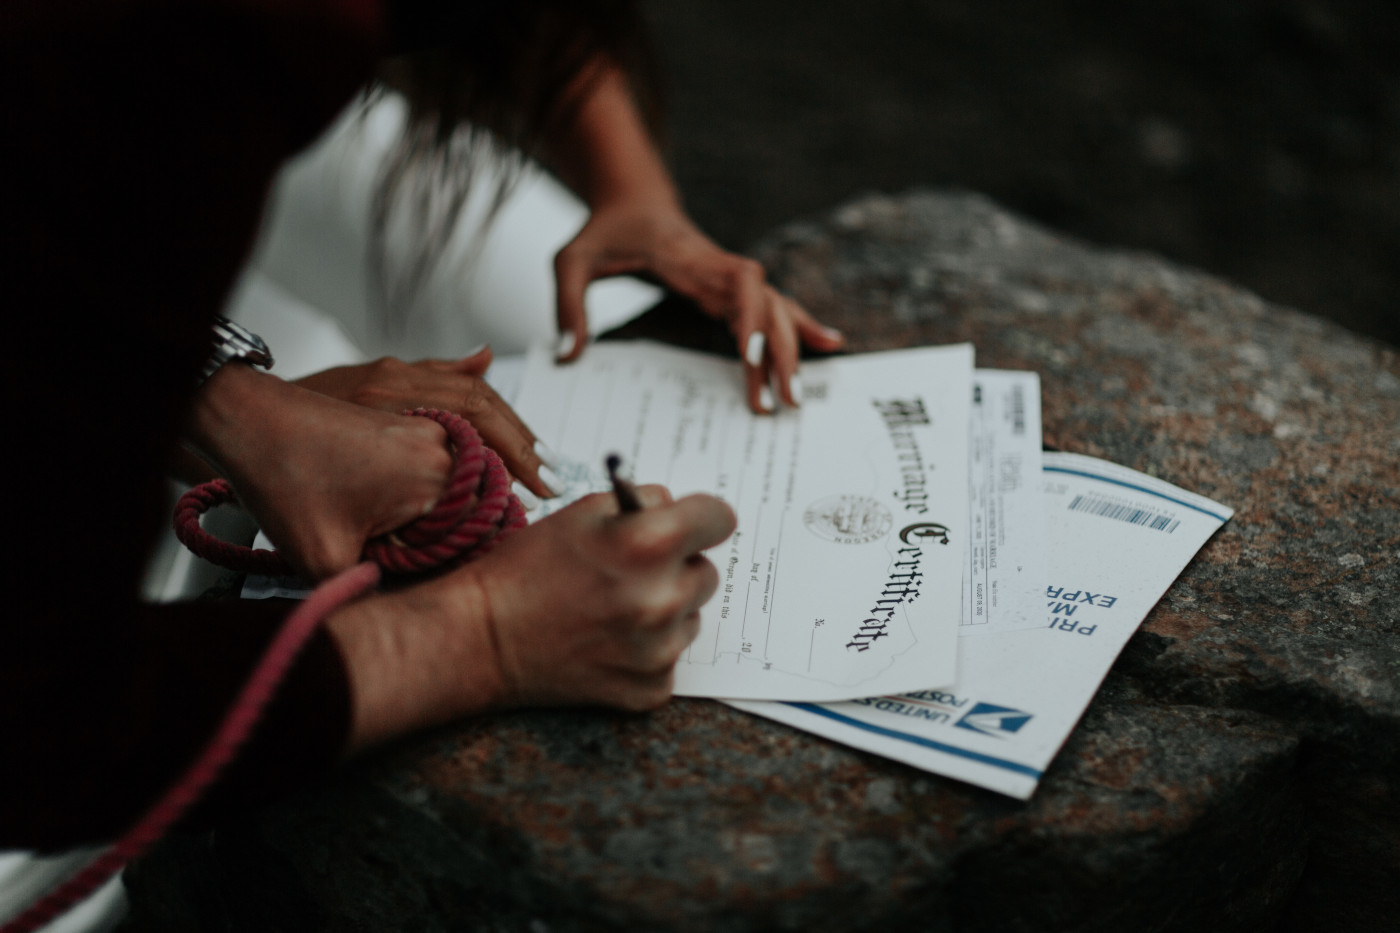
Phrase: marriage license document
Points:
(844, 578)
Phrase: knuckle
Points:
(654, 495)
(474, 402)
(651, 612)
(709, 579)
(323, 557)
(649, 543)
(367, 396)
(384, 366)
(437, 459)
(664, 606)
(642, 699)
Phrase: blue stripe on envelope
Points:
(1002, 763)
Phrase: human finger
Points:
(675, 594)
(654, 495)
(814, 333)
(748, 313)
(783, 349)
(640, 691)
(423, 471)
(701, 579)
(473, 363)
(703, 521)
(503, 431)
(655, 650)
(663, 537)
(756, 388)
(573, 270)
(322, 557)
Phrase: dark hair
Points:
(485, 81)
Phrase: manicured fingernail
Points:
(795, 388)
(567, 342)
(753, 350)
(546, 455)
(428, 506)
(833, 333)
(765, 398)
(548, 477)
(526, 497)
(475, 350)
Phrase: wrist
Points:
(655, 195)
(226, 407)
(417, 658)
(606, 154)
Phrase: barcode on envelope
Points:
(1124, 513)
(1018, 411)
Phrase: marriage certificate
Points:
(844, 578)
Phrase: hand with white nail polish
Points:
(564, 349)
(769, 327)
(451, 385)
(638, 225)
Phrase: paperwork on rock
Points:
(1062, 557)
(843, 578)
(1115, 539)
(911, 575)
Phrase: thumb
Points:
(474, 363)
(337, 550)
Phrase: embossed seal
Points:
(848, 519)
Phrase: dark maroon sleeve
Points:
(138, 150)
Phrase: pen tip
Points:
(613, 461)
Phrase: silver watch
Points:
(234, 342)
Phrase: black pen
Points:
(625, 492)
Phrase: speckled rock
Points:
(1239, 770)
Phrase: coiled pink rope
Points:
(476, 510)
(477, 507)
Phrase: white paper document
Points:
(1115, 540)
(843, 578)
(1005, 569)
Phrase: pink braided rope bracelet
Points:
(477, 508)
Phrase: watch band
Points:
(231, 341)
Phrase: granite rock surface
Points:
(1239, 769)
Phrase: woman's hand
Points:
(606, 154)
(593, 606)
(587, 606)
(321, 476)
(452, 385)
(655, 236)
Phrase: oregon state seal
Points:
(848, 519)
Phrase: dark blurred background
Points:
(1255, 139)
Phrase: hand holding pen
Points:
(596, 602)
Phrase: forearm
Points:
(604, 151)
(416, 658)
